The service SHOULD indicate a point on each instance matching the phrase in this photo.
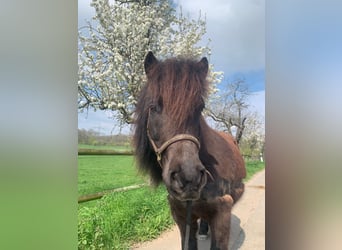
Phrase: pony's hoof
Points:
(202, 236)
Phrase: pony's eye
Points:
(202, 107)
(156, 108)
(153, 109)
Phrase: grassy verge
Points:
(121, 219)
(253, 167)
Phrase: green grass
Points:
(253, 167)
(121, 219)
(99, 173)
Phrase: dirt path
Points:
(247, 225)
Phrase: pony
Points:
(174, 144)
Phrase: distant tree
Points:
(253, 140)
(82, 136)
(113, 47)
(229, 108)
(92, 137)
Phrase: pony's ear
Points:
(150, 60)
(203, 65)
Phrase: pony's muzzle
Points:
(188, 182)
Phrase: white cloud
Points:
(237, 31)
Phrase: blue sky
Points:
(237, 33)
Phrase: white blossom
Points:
(112, 50)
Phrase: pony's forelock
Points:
(182, 86)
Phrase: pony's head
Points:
(167, 133)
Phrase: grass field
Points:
(119, 220)
(104, 172)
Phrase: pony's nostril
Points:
(176, 179)
(173, 175)
(201, 176)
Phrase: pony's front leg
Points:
(192, 244)
(220, 223)
(178, 211)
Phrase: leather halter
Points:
(165, 145)
(180, 137)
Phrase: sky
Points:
(237, 33)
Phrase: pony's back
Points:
(229, 162)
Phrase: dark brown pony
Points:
(174, 144)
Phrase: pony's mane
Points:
(181, 85)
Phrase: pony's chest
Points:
(215, 189)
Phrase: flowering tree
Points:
(252, 143)
(112, 50)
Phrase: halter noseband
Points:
(165, 145)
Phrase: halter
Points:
(181, 137)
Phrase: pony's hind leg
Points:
(192, 238)
(203, 230)
(220, 223)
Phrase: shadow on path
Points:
(237, 236)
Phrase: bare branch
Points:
(229, 108)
